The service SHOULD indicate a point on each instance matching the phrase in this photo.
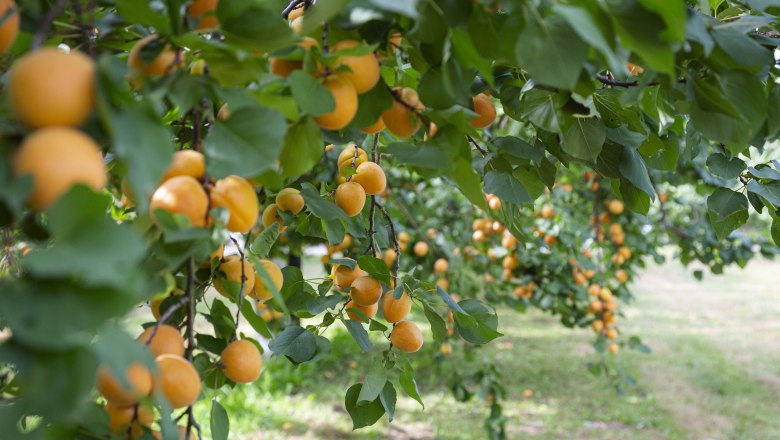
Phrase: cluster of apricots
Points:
(365, 298)
(175, 378)
(52, 93)
(358, 177)
(603, 306)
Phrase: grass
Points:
(714, 373)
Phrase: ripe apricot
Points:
(508, 241)
(365, 68)
(400, 119)
(395, 310)
(177, 379)
(598, 325)
(406, 336)
(445, 349)
(58, 158)
(347, 156)
(621, 276)
(345, 97)
(167, 340)
(48, 87)
(295, 13)
(261, 292)
(138, 378)
(186, 163)
(615, 207)
(10, 27)
(371, 177)
(120, 418)
(350, 197)
(395, 40)
(241, 361)
(494, 203)
(441, 266)
(613, 348)
(155, 302)
(404, 237)
(238, 196)
(218, 253)
(444, 284)
(421, 249)
(297, 25)
(374, 128)
(343, 276)
(290, 199)
(611, 333)
(165, 62)
(366, 291)
(389, 256)
(283, 67)
(485, 110)
(547, 212)
(625, 252)
(204, 11)
(182, 195)
(271, 215)
(369, 311)
(594, 289)
(231, 268)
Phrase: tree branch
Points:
(45, 28)
(393, 238)
(241, 289)
(397, 97)
(474, 142)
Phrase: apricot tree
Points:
(154, 150)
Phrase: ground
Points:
(714, 373)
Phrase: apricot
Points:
(347, 156)
(345, 97)
(485, 110)
(400, 119)
(395, 40)
(613, 348)
(615, 207)
(271, 215)
(365, 68)
(404, 237)
(444, 284)
(625, 252)
(445, 349)
(421, 249)
(48, 87)
(547, 212)
(395, 310)
(120, 418)
(186, 163)
(182, 195)
(508, 241)
(10, 27)
(182, 434)
(164, 63)
(374, 128)
(369, 311)
(223, 114)
(295, 13)
(167, 340)
(509, 262)
(241, 361)
(261, 292)
(155, 303)
(297, 25)
(138, 378)
(390, 256)
(178, 380)
(218, 253)
(282, 67)
(594, 290)
(494, 203)
(371, 177)
(231, 267)
(366, 291)
(621, 276)
(204, 11)
(598, 325)
(406, 336)
(58, 158)
(350, 197)
(238, 196)
(440, 266)
(290, 199)
(343, 276)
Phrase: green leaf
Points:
(265, 240)
(372, 104)
(506, 187)
(318, 206)
(334, 231)
(633, 168)
(614, 113)
(117, 350)
(257, 323)
(222, 319)
(296, 343)
(438, 326)
(722, 166)
(469, 183)
(743, 50)
(467, 54)
(479, 324)
(585, 138)
(253, 25)
(403, 7)
(518, 148)
(641, 32)
(375, 267)
(220, 423)
(449, 301)
(362, 415)
(769, 191)
(419, 156)
(313, 97)
(728, 210)
(407, 381)
(585, 26)
(86, 242)
(374, 383)
(552, 52)
(542, 108)
(388, 398)
(142, 13)
(359, 334)
(775, 231)
(246, 144)
(302, 149)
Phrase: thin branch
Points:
(45, 27)
(325, 31)
(607, 81)
(243, 285)
(393, 238)
(402, 207)
(397, 97)
(370, 232)
(165, 316)
(474, 142)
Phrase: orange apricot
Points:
(138, 378)
(406, 336)
(350, 197)
(366, 291)
(371, 177)
(58, 158)
(182, 195)
(364, 73)
(290, 199)
(421, 249)
(10, 27)
(178, 380)
(343, 276)
(167, 340)
(121, 418)
(369, 311)
(375, 128)
(395, 310)
(164, 63)
(261, 292)
(400, 119)
(485, 110)
(186, 163)
(48, 87)
(204, 11)
(241, 361)
(440, 266)
(238, 196)
(347, 156)
(231, 267)
(346, 103)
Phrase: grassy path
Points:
(714, 374)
